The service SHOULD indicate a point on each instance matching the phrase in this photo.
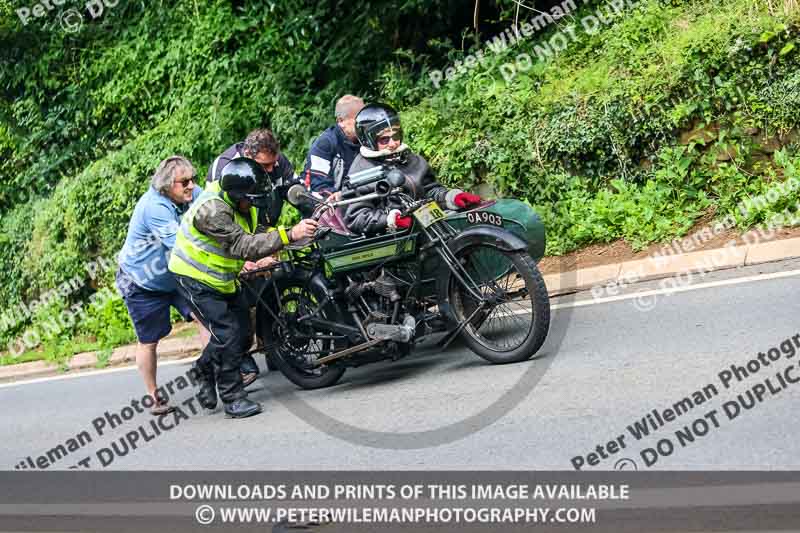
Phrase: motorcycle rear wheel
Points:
(515, 325)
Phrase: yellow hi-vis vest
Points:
(200, 257)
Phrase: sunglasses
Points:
(186, 182)
(384, 139)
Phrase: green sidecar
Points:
(517, 217)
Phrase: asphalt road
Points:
(606, 365)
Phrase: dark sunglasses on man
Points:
(185, 182)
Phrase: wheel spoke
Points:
(299, 348)
(506, 324)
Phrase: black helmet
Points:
(372, 120)
(244, 179)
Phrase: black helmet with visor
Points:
(374, 120)
(244, 179)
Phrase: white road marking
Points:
(670, 291)
(82, 374)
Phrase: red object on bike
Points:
(402, 222)
(465, 199)
(308, 179)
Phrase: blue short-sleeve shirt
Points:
(151, 236)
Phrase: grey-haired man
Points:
(146, 284)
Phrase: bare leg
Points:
(146, 361)
(204, 334)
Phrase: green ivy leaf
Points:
(767, 36)
(786, 49)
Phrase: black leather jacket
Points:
(369, 217)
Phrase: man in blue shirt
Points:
(333, 151)
(143, 279)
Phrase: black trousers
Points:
(227, 318)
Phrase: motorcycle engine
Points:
(377, 297)
(382, 316)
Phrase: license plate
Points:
(484, 217)
(429, 214)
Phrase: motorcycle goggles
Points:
(261, 195)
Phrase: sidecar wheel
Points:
(515, 325)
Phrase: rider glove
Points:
(465, 199)
(394, 221)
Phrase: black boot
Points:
(208, 388)
(242, 408)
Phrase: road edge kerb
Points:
(557, 284)
(169, 349)
(648, 270)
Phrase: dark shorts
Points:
(149, 310)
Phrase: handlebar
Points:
(366, 197)
(322, 207)
(260, 272)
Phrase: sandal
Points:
(249, 378)
(161, 408)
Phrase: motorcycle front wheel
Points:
(510, 320)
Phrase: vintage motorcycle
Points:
(341, 300)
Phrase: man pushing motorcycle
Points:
(219, 235)
(381, 135)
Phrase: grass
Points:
(57, 351)
(103, 357)
(64, 350)
(26, 357)
(183, 331)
